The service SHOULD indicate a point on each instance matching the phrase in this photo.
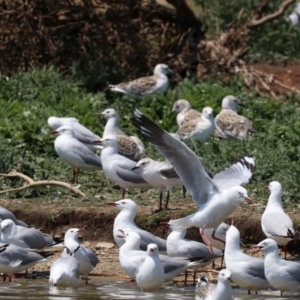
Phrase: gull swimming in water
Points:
(222, 291)
(229, 123)
(275, 223)
(145, 86)
(214, 204)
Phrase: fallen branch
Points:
(282, 8)
(33, 184)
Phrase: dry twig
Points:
(33, 184)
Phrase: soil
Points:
(286, 76)
(99, 226)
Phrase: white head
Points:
(181, 105)
(142, 164)
(54, 122)
(72, 234)
(225, 276)
(230, 102)
(109, 113)
(208, 113)
(152, 250)
(125, 205)
(162, 69)
(7, 226)
(132, 240)
(274, 187)
(239, 193)
(233, 237)
(66, 130)
(110, 141)
(267, 246)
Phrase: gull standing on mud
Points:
(25, 237)
(130, 257)
(74, 153)
(118, 168)
(179, 246)
(15, 259)
(81, 133)
(86, 257)
(229, 123)
(127, 146)
(214, 204)
(275, 223)
(185, 112)
(198, 128)
(64, 271)
(125, 221)
(150, 275)
(283, 275)
(145, 86)
(222, 291)
(158, 174)
(246, 271)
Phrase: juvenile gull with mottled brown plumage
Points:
(127, 146)
(145, 86)
(229, 123)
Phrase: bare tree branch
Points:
(33, 184)
(282, 8)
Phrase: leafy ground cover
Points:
(28, 99)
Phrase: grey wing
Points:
(278, 224)
(293, 268)
(198, 250)
(248, 123)
(130, 175)
(92, 257)
(238, 173)
(148, 238)
(183, 159)
(171, 264)
(7, 214)
(34, 238)
(21, 223)
(86, 155)
(83, 131)
(256, 268)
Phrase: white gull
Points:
(179, 246)
(275, 223)
(24, 237)
(15, 259)
(282, 274)
(81, 133)
(159, 174)
(130, 257)
(118, 168)
(229, 123)
(222, 291)
(247, 271)
(144, 86)
(64, 271)
(214, 204)
(125, 221)
(87, 258)
(198, 128)
(150, 274)
(74, 153)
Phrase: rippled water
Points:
(108, 289)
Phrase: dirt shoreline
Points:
(99, 227)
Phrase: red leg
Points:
(206, 241)
(185, 277)
(222, 261)
(86, 280)
(194, 277)
(26, 273)
(249, 292)
(4, 277)
(9, 278)
(215, 238)
(284, 249)
(74, 176)
(123, 193)
(77, 175)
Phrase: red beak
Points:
(98, 142)
(164, 224)
(53, 131)
(111, 204)
(266, 187)
(249, 200)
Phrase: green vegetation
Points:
(28, 99)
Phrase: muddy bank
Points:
(99, 224)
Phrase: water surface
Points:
(109, 289)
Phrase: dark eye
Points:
(123, 202)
